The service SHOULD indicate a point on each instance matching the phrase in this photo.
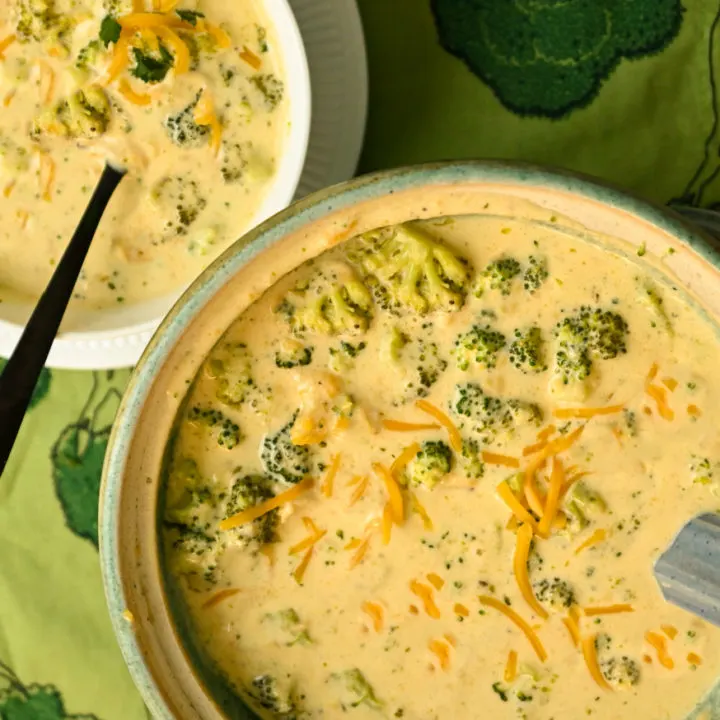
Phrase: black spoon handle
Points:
(18, 380)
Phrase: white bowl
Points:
(116, 337)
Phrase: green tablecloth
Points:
(623, 89)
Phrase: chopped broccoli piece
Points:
(650, 296)
(556, 592)
(290, 627)
(88, 55)
(234, 160)
(293, 354)
(410, 269)
(271, 89)
(630, 420)
(274, 696)
(527, 350)
(479, 346)
(331, 302)
(231, 368)
(498, 275)
(520, 412)
(620, 672)
(342, 358)
(430, 465)
(13, 157)
(84, 114)
(246, 492)
(152, 67)
(586, 335)
(180, 201)
(702, 471)
(183, 130)
(359, 690)
(118, 7)
(535, 274)
(226, 431)
(39, 20)
(582, 505)
(281, 458)
(470, 461)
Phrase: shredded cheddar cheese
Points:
(386, 524)
(125, 89)
(315, 534)
(460, 610)
(694, 410)
(670, 630)
(219, 596)
(557, 478)
(597, 537)
(425, 593)
(511, 667)
(520, 569)
(359, 555)
(419, 508)
(205, 115)
(571, 624)
(47, 82)
(492, 458)
(328, 483)
(178, 47)
(299, 572)
(9, 187)
(441, 650)
(529, 633)
(536, 447)
(546, 432)
(586, 413)
(659, 643)
(590, 655)
(250, 514)
(120, 60)
(402, 460)
(5, 43)
(395, 497)
(659, 395)
(669, 383)
(436, 581)
(221, 38)
(608, 609)
(694, 659)
(248, 56)
(47, 176)
(453, 433)
(375, 612)
(508, 497)
(360, 488)
(400, 426)
(532, 493)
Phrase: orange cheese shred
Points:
(520, 568)
(218, 34)
(425, 593)
(557, 477)
(669, 383)
(395, 497)
(652, 373)
(375, 612)
(47, 176)
(5, 43)
(536, 447)
(492, 458)
(328, 483)
(460, 610)
(248, 56)
(517, 620)
(359, 555)
(597, 537)
(694, 410)
(532, 494)
(7, 190)
(670, 630)
(299, 572)
(205, 115)
(694, 659)
(571, 624)
(508, 497)
(660, 645)
(401, 426)
(402, 460)
(608, 609)
(315, 534)
(219, 596)
(436, 581)
(563, 443)
(178, 47)
(590, 655)
(659, 395)
(546, 432)
(453, 433)
(125, 89)
(360, 488)
(419, 508)
(511, 667)
(441, 650)
(120, 60)
(386, 524)
(47, 81)
(138, 20)
(250, 514)
(588, 412)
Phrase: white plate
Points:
(334, 43)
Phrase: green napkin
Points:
(623, 90)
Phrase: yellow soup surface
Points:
(188, 96)
(427, 474)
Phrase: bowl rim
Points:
(118, 346)
(303, 212)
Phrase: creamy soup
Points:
(427, 474)
(187, 95)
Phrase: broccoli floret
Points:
(358, 690)
(293, 354)
(331, 302)
(491, 415)
(39, 20)
(271, 89)
(479, 346)
(88, 55)
(630, 420)
(226, 431)
(183, 130)
(527, 350)
(180, 202)
(582, 505)
(430, 465)
(498, 275)
(246, 492)
(410, 269)
(274, 696)
(702, 471)
(535, 274)
(470, 461)
(586, 335)
(118, 7)
(231, 368)
(281, 458)
(620, 672)
(650, 296)
(13, 157)
(556, 592)
(290, 627)
(343, 357)
(234, 160)
(85, 114)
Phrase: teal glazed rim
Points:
(300, 214)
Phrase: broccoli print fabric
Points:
(623, 89)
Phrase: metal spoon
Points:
(18, 380)
(688, 572)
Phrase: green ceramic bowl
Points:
(170, 671)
